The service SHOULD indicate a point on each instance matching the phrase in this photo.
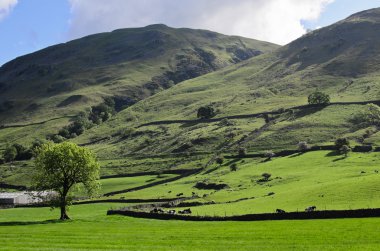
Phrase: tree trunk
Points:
(64, 215)
(63, 206)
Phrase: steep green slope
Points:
(129, 64)
(341, 60)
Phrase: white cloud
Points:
(277, 21)
(6, 7)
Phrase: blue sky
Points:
(30, 25)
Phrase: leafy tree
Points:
(219, 160)
(57, 138)
(345, 149)
(269, 154)
(266, 176)
(59, 167)
(101, 113)
(233, 167)
(37, 143)
(303, 146)
(339, 143)
(206, 112)
(10, 153)
(318, 98)
(64, 132)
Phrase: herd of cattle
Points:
(161, 211)
(188, 211)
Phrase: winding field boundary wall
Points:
(330, 214)
(254, 115)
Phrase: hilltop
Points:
(127, 65)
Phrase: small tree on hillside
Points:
(266, 176)
(10, 153)
(219, 160)
(233, 167)
(59, 167)
(345, 150)
(303, 146)
(269, 154)
(339, 143)
(206, 112)
(318, 98)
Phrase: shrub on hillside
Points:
(10, 153)
(340, 142)
(219, 160)
(23, 153)
(206, 112)
(265, 177)
(269, 154)
(303, 146)
(17, 152)
(318, 98)
(233, 167)
(345, 149)
(57, 138)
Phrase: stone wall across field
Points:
(330, 214)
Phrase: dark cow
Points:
(185, 211)
(157, 211)
(179, 194)
(310, 209)
(171, 212)
(280, 211)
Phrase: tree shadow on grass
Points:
(27, 223)
(332, 154)
(341, 158)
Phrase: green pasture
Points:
(37, 229)
(321, 178)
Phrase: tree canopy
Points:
(59, 167)
(206, 112)
(318, 98)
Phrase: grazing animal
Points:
(280, 211)
(171, 212)
(376, 171)
(310, 209)
(157, 210)
(180, 194)
(185, 211)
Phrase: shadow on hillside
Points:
(26, 223)
(296, 155)
(307, 111)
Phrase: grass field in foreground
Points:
(29, 229)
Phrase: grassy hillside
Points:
(341, 60)
(127, 65)
(322, 178)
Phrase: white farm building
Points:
(23, 198)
